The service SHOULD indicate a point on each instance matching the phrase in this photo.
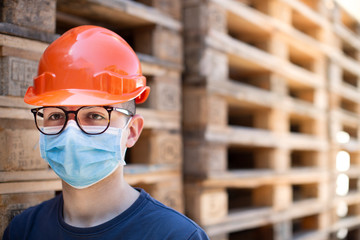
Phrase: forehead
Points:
(74, 108)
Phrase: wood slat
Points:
(262, 60)
(30, 186)
(130, 12)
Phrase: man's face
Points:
(91, 119)
(132, 126)
(120, 130)
(98, 116)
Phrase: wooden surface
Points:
(250, 95)
(132, 14)
(36, 16)
(284, 78)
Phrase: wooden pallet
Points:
(152, 28)
(234, 210)
(261, 136)
(18, 136)
(344, 108)
(14, 203)
(35, 20)
(18, 63)
(256, 94)
(147, 29)
(276, 191)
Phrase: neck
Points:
(98, 203)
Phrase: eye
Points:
(55, 116)
(95, 116)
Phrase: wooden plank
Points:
(348, 223)
(283, 230)
(158, 147)
(240, 220)
(130, 12)
(264, 23)
(201, 158)
(311, 235)
(347, 63)
(345, 117)
(348, 92)
(202, 109)
(307, 12)
(39, 16)
(20, 53)
(20, 150)
(169, 192)
(33, 175)
(160, 42)
(22, 43)
(206, 206)
(222, 236)
(347, 35)
(245, 219)
(17, 75)
(257, 18)
(170, 7)
(25, 32)
(239, 179)
(151, 177)
(15, 113)
(201, 17)
(306, 142)
(302, 209)
(13, 102)
(262, 59)
(134, 174)
(257, 178)
(13, 204)
(242, 136)
(350, 199)
(167, 45)
(165, 92)
(302, 108)
(155, 66)
(239, 92)
(30, 186)
(159, 119)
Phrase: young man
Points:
(87, 85)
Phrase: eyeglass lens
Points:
(93, 120)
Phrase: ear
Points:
(135, 127)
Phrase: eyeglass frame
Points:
(107, 108)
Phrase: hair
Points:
(129, 105)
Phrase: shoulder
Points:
(170, 221)
(26, 221)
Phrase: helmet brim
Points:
(82, 97)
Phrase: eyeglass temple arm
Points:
(124, 111)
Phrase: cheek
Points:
(123, 140)
(117, 122)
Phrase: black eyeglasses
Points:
(91, 120)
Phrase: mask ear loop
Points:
(123, 154)
(127, 124)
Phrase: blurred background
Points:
(252, 128)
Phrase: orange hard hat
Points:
(87, 66)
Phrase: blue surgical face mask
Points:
(82, 160)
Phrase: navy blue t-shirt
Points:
(146, 218)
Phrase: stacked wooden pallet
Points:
(152, 28)
(344, 109)
(271, 110)
(256, 121)
(25, 179)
